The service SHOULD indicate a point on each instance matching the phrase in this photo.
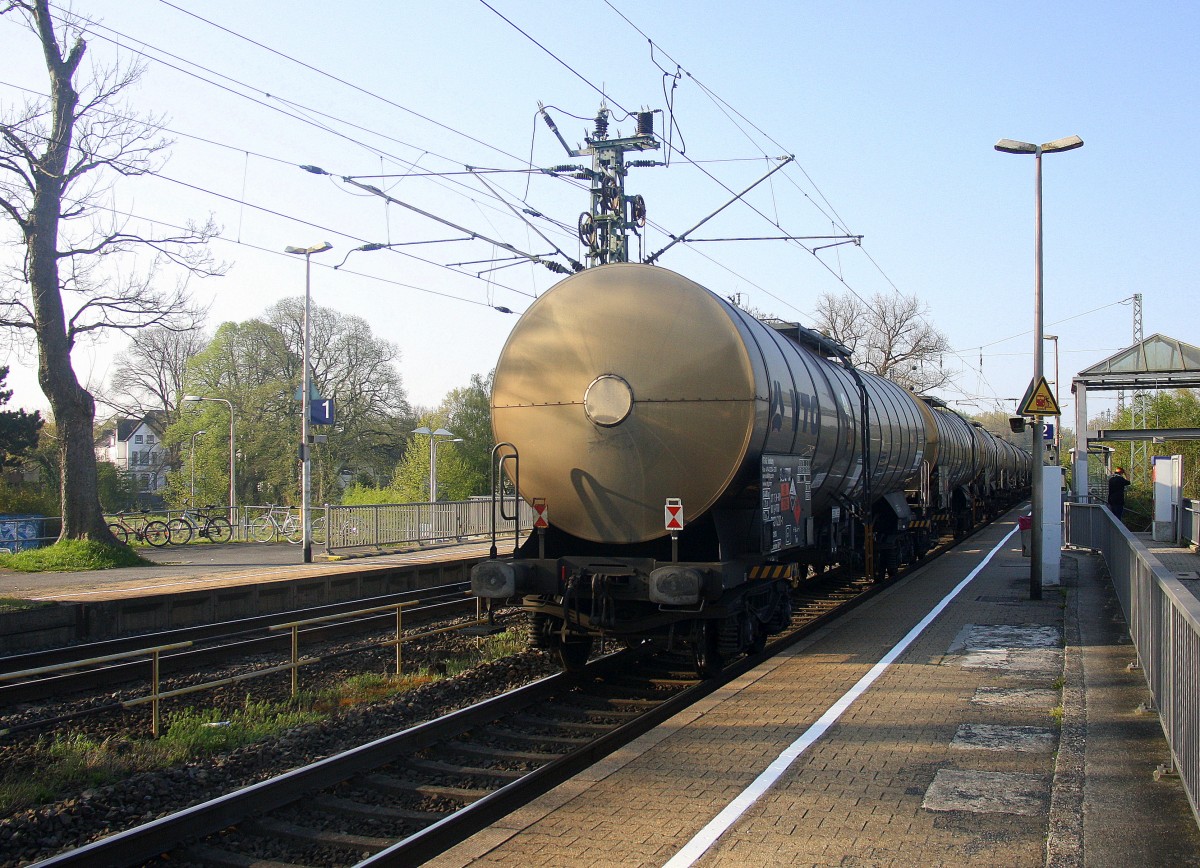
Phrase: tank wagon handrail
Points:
(502, 452)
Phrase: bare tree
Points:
(57, 159)
(150, 375)
(890, 337)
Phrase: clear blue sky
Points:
(891, 110)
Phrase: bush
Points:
(72, 555)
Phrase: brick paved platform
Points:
(1007, 733)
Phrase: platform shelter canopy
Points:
(1156, 362)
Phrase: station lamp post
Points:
(306, 398)
(433, 442)
(1009, 146)
(191, 399)
(192, 464)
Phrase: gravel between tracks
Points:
(38, 833)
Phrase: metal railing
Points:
(1189, 525)
(372, 526)
(391, 524)
(1164, 623)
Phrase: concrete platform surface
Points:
(1005, 733)
(177, 570)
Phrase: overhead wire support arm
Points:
(841, 239)
(574, 152)
(556, 267)
(578, 266)
(649, 260)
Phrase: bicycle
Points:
(277, 521)
(344, 536)
(151, 531)
(204, 524)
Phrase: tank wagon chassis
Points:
(627, 393)
(717, 609)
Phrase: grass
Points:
(372, 687)
(66, 762)
(72, 555)
(13, 604)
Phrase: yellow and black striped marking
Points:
(774, 571)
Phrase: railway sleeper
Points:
(215, 857)
(464, 771)
(567, 741)
(364, 811)
(527, 756)
(581, 707)
(560, 723)
(281, 830)
(392, 784)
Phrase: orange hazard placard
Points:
(1039, 400)
(543, 516)
(674, 513)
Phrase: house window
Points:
(137, 438)
(150, 439)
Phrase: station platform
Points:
(1005, 731)
(205, 584)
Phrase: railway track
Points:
(404, 798)
(213, 645)
(408, 795)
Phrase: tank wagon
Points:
(629, 397)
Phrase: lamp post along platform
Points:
(306, 399)
(1010, 146)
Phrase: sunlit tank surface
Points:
(957, 451)
(626, 384)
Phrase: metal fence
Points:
(390, 524)
(1164, 623)
(1189, 525)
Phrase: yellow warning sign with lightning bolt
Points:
(1039, 400)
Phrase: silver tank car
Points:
(628, 384)
(625, 386)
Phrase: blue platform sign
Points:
(321, 411)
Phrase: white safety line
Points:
(706, 837)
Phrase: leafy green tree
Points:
(257, 366)
(18, 429)
(1175, 408)
(245, 364)
(358, 371)
(117, 490)
(468, 413)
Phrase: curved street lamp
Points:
(191, 399)
(448, 437)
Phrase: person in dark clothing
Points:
(1117, 483)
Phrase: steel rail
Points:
(241, 636)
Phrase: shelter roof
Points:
(1157, 361)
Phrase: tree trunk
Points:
(74, 408)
